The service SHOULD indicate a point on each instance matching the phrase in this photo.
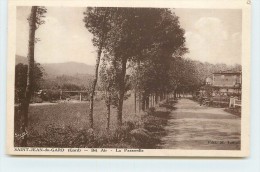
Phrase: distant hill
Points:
(20, 59)
(58, 69)
(59, 81)
(68, 68)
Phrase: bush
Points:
(123, 133)
(36, 99)
(141, 136)
(57, 136)
(75, 97)
(51, 95)
(150, 111)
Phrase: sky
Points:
(212, 36)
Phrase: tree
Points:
(151, 74)
(107, 80)
(184, 75)
(97, 22)
(133, 35)
(109, 77)
(188, 75)
(138, 34)
(35, 20)
(21, 79)
(125, 42)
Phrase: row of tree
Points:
(141, 49)
(137, 46)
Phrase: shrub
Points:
(58, 136)
(36, 99)
(150, 111)
(123, 133)
(51, 95)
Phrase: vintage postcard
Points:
(128, 78)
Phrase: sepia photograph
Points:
(127, 79)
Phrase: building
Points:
(226, 82)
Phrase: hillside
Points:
(68, 68)
(56, 75)
(20, 59)
(57, 69)
(81, 80)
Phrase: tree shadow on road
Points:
(156, 119)
(169, 105)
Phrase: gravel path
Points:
(192, 126)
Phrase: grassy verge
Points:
(66, 125)
(234, 111)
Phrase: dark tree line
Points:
(137, 46)
(21, 79)
(142, 52)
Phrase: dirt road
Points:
(192, 126)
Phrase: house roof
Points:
(219, 86)
(228, 72)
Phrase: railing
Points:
(79, 92)
(220, 101)
(234, 102)
(237, 103)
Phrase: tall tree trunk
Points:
(91, 104)
(138, 85)
(29, 86)
(151, 100)
(139, 102)
(100, 47)
(121, 93)
(135, 100)
(146, 101)
(153, 96)
(143, 102)
(156, 97)
(161, 96)
(108, 102)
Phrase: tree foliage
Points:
(97, 21)
(21, 79)
(143, 47)
(144, 39)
